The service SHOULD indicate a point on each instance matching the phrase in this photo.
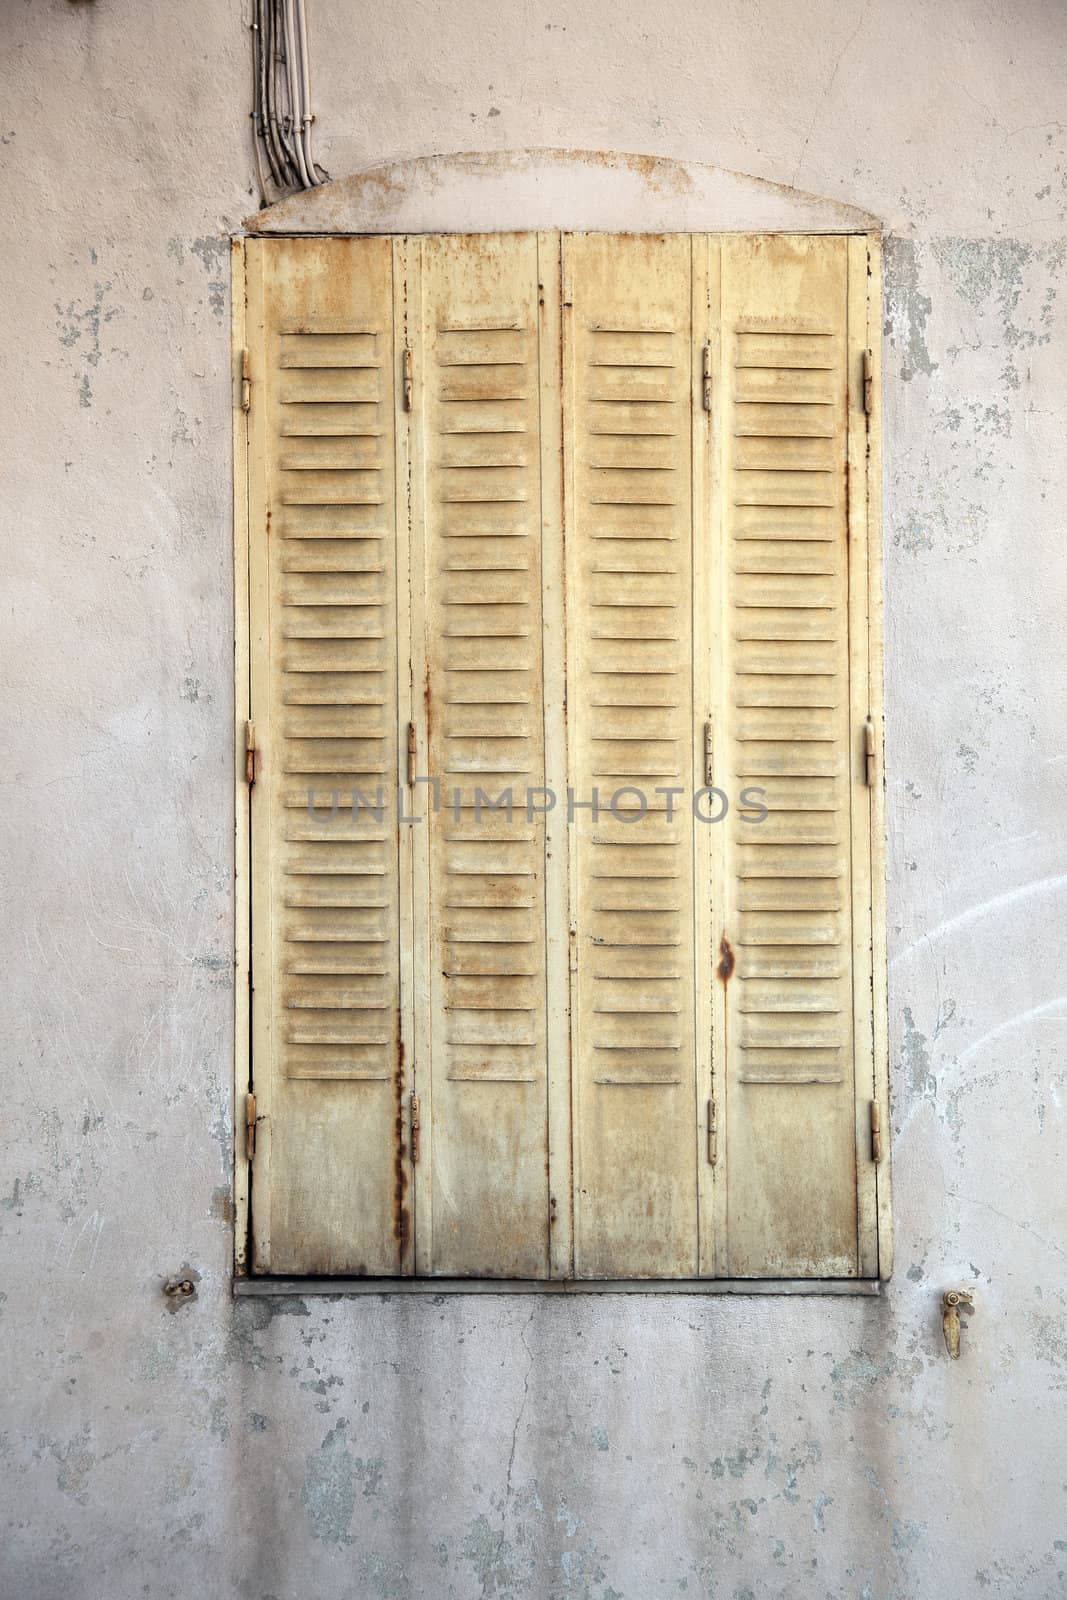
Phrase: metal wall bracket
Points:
(951, 1303)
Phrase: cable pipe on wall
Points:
(282, 113)
(305, 75)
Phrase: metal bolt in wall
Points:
(180, 1289)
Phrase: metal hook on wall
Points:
(951, 1302)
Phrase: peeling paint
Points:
(80, 324)
(329, 1492)
(918, 1071)
(907, 309)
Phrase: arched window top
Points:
(591, 190)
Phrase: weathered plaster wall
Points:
(580, 1449)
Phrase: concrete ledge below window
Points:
(387, 1287)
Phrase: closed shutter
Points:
(585, 515)
(627, 423)
(484, 1183)
(792, 1061)
(329, 1176)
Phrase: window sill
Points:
(386, 1288)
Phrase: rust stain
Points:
(427, 701)
(401, 1217)
(727, 961)
(848, 500)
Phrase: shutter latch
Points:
(414, 1126)
(408, 381)
(713, 1132)
(250, 753)
(876, 1132)
(705, 376)
(411, 753)
(250, 1127)
(709, 754)
(246, 381)
(868, 382)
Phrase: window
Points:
(589, 522)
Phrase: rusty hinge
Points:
(876, 1131)
(868, 382)
(250, 1127)
(246, 381)
(709, 754)
(414, 1126)
(411, 750)
(407, 381)
(705, 376)
(869, 751)
(713, 1132)
(250, 753)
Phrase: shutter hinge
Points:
(407, 381)
(705, 377)
(246, 381)
(868, 383)
(713, 1132)
(869, 752)
(414, 1126)
(250, 753)
(876, 1132)
(709, 754)
(250, 1127)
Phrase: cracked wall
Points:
(559, 1449)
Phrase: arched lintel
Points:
(575, 190)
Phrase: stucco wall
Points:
(585, 1449)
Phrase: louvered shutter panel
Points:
(485, 1176)
(710, 601)
(329, 1176)
(627, 415)
(786, 927)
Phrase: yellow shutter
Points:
(682, 1009)
(329, 1176)
(794, 1065)
(483, 1180)
(627, 415)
